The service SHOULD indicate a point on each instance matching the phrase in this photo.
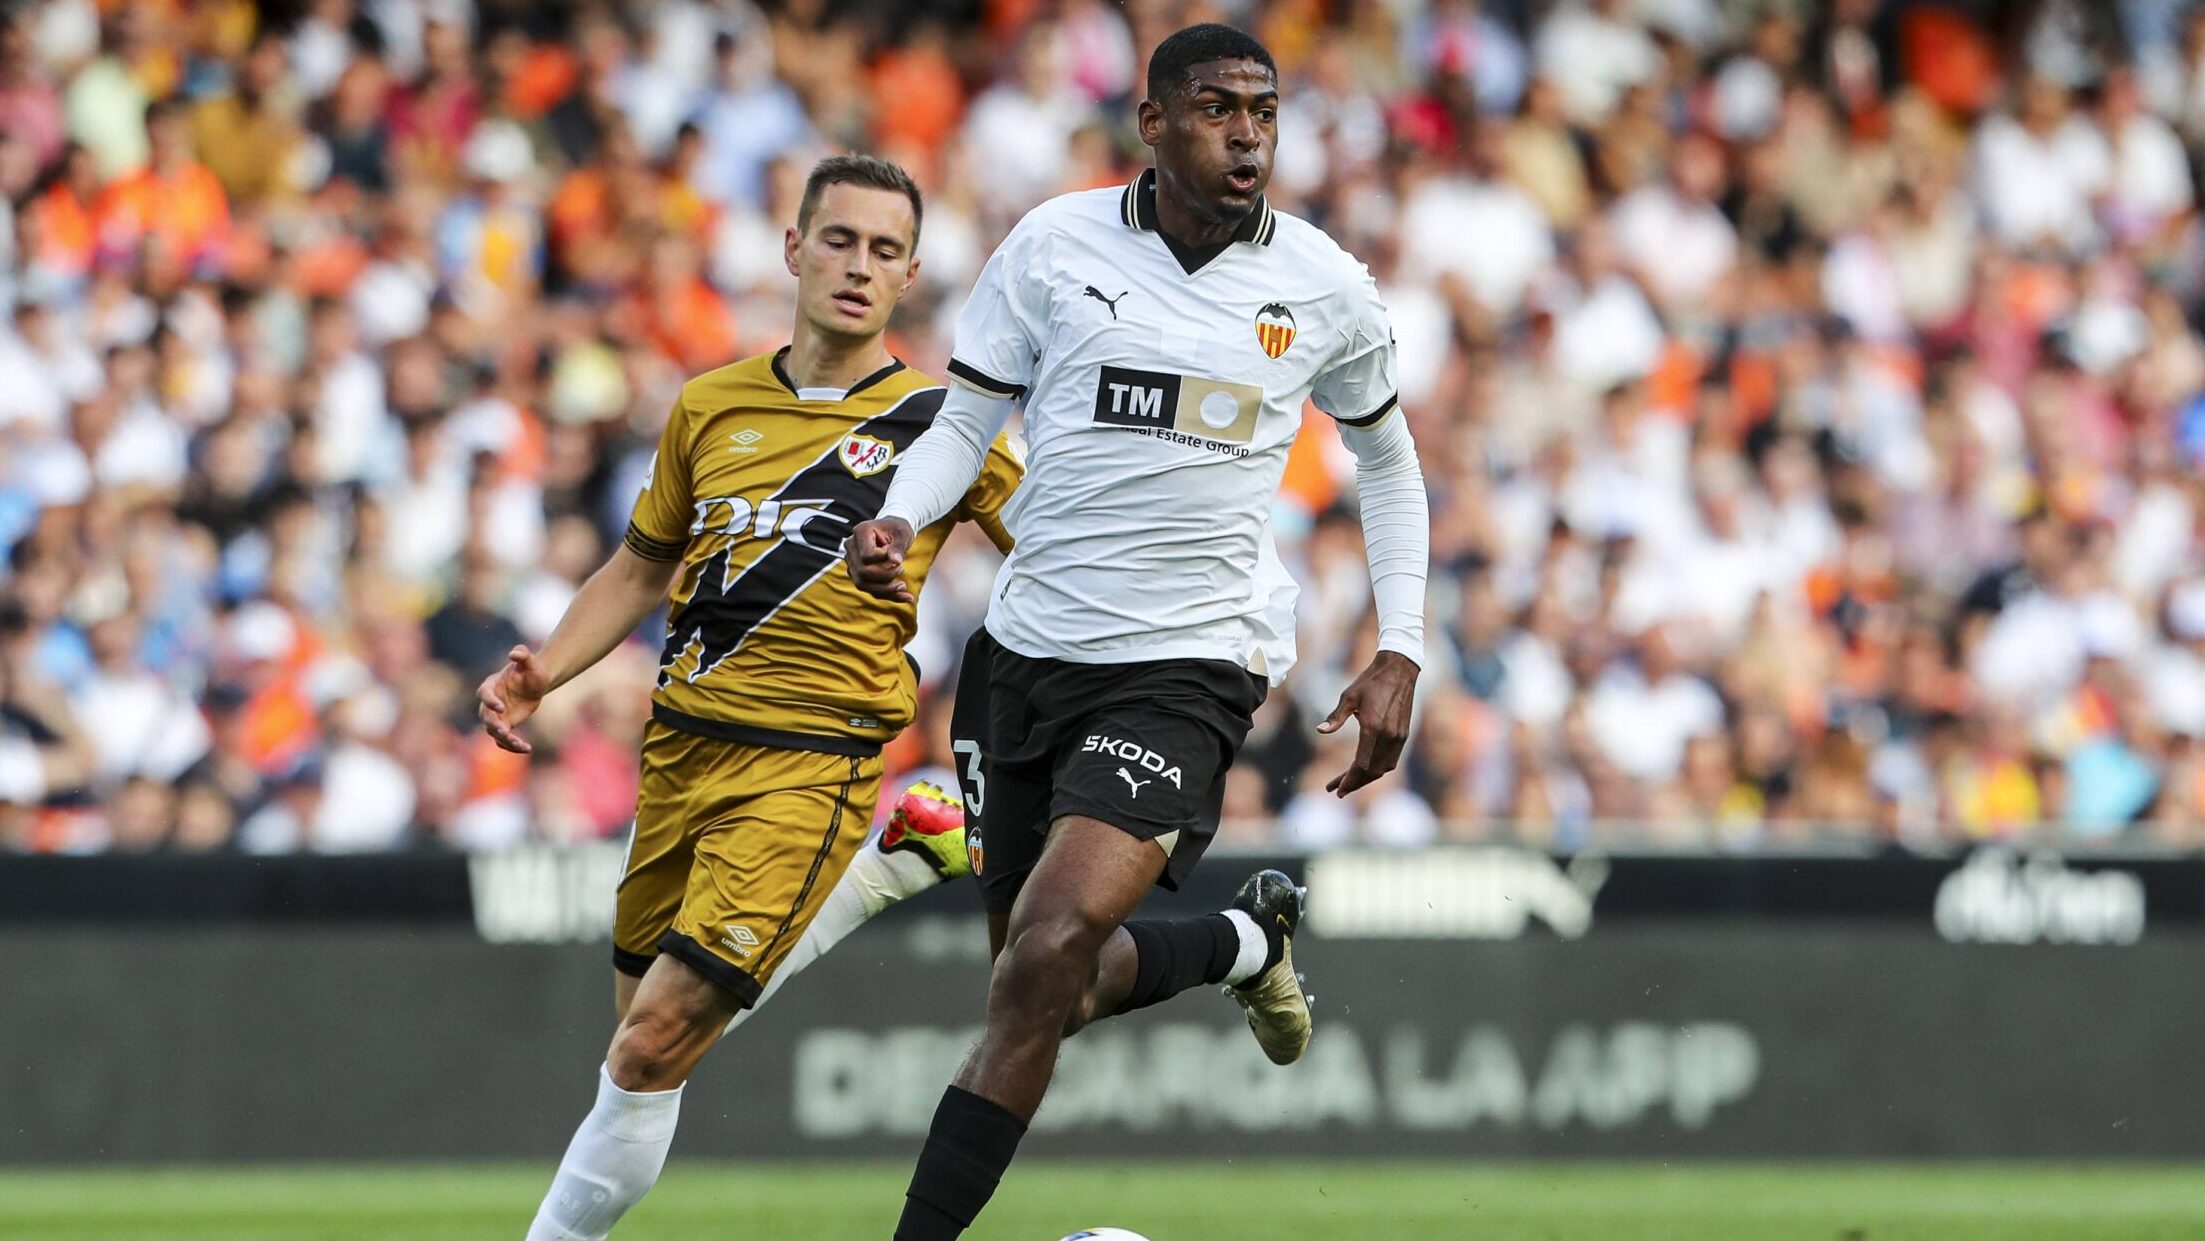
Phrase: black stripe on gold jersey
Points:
(751, 734)
(649, 548)
(781, 372)
(725, 610)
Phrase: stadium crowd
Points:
(1809, 393)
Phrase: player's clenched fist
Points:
(509, 696)
(874, 554)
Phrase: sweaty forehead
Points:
(1238, 76)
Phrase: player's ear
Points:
(789, 244)
(910, 276)
(1150, 119)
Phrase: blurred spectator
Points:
(248, 134)
(172, 212)
(1810, 396)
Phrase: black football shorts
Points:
(1143, 747)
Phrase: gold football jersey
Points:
(755, 486)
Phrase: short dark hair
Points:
(866, 170)
(1199, 45)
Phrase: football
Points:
(1105, 1234)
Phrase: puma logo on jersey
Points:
(1111, 302)
(1132, 783)
(1138, 755)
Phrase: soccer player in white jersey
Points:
(1163, 338)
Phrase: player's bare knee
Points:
(1082, 1013)
(1087, 1006)
(1052, 958)
(657, 1046)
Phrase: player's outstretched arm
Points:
(932, 478)
(1397, 541)
(607, 609)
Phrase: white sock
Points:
(1255, 949)
(612, 1162)
(874, 881)
(882, 878)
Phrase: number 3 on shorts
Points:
(976, 785)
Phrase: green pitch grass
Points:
(1215, 1202)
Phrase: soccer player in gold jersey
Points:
(779, 681)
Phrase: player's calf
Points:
(617, 1153)
(1089, 878)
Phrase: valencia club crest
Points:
(1274, 329)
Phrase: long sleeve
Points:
(934, 474)
(1397, 535)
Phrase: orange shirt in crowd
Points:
(1308, 478)
(184, 215)
(586, 208)
(64, 227)
(546, 74)
(917, 98)
(689, 323)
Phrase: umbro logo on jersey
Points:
(746, 440)
(1111, 302)
(1274, 329)
(1185, 409)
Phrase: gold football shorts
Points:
(735, 848)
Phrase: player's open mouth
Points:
(1242, 179)
(854, 302)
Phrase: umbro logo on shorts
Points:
(1138, 755)
(740, 940)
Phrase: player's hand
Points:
(874, 555)
(1379, 700)
(509, 696)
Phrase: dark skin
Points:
(1214, 137)
(1063, 957)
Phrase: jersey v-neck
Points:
(781, 372)
(1140, 211)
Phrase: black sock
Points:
(1173, 954)
(971, 1142)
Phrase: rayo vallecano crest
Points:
(863, 455)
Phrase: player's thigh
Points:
(766, 861)
(1089, 878)
(1151, 760)
(672, 800)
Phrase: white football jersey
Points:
(1159, 406)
